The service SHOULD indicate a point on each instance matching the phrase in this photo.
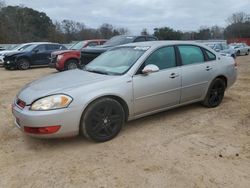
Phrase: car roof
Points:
(40, 43)
(161, 43)
(94, 40)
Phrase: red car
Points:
(70, 59)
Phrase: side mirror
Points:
(217, 50)
(150, 69)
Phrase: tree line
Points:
(20, 24)
(238, 26)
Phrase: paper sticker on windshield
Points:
(144, 48)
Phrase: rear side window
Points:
(163, 58)
(191, 54)
(210, 55)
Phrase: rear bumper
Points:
(68, 119)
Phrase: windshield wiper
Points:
(97, 71)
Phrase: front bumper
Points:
(67, 118)
(9, 64)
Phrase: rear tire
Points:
(102, 120)
(238, 53)
(71, 64)
(215, 93)
(23, 64)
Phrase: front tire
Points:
(71, 64)
(102, 120)
(215, 93)
(23, 64)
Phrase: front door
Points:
(161, 89)
(40, 55)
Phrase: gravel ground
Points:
(191, 146)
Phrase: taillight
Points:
(20, 103)
(42, 130)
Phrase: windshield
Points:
(22, 47)
(78, 45)
(116, 61)
(15, 47)
(118, 40)
(30, 48)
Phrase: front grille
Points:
(53, 58)
(20, 103)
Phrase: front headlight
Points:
(51, 103)
(59, 57)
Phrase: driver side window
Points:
(163, 58)
(40, 48)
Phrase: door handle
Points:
(208, 68)
(173, 75)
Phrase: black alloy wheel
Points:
(215, 93)
(23, 64)
(103, 120)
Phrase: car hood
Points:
(99, 49)
(14, 53)
(62, 52)
(5, 52)
(59, 83)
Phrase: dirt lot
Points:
(190, 146)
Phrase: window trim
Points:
(177, 63)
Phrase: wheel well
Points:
(223, 78)
(118, 99)
(72, 59)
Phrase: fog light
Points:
(42, 130)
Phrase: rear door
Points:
(160, 89)
(198, 66)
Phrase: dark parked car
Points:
(34, 55)
(88, 54)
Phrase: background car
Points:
(15, 48)
(88, 54)
(34, 55)
(70, 59)
(124, 83)
(241, 48)
(223, 48)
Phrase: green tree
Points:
(22, 24)
(166, 33)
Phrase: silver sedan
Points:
(124, 83)
(241, 48)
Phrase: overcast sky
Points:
(184, 15)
